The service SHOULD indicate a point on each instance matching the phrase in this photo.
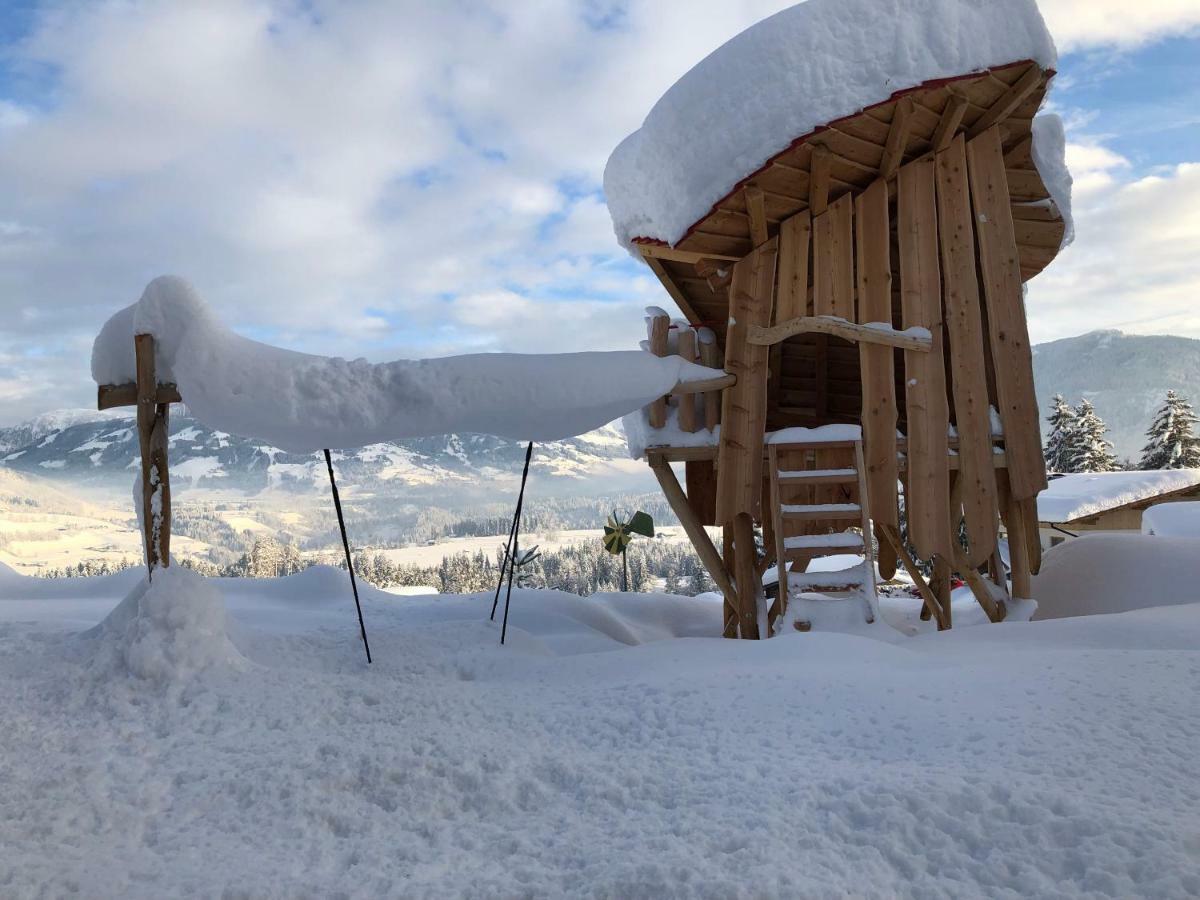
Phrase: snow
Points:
(611, 749)
(1173, 519)
(301, 402)
(1071, 497)
(816, 435)
(1049, 151)
(639, 435)
(1115, 573)
(798, 70)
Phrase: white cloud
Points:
(1077, 24)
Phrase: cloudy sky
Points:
(390, 178)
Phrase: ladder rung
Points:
(819, 476)
(821, 512)
(846, 540)
(846, 578)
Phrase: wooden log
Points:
(659, 327)
(779, 607)
(152, 419)
(746, 578)
(897, 139)
(687, 401)
(1018, 548)
(818, 182)
(951, 118)
(927, 497)
(927, 596)
(979, 587)
(677, 294)
(710, 355)
(111, 396)
(877, 363)
(744, 406)
(1009, 100)
(836, 327)
(704, 385)
(887, 557)
(730, 607)
(1033, 533)
(943, 590)
(671, 254)
(693, 527)
(1000, 266)
(964, 326)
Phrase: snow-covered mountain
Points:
(1126, 376)
(101, 449)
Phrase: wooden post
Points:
(746, 577)
(729, 554)
(687, 402)
(943, 591)
(710, 355)
(659, 326)
(152, 419)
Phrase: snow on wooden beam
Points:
(111, 396)
(912, 339)
(671, 254)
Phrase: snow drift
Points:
(301, 402)
(1114, 573)
(800, 69)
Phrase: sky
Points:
(395, 179)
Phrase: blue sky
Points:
(393, 179)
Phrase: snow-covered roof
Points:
(799, 70)
(1072, 497)
(301, 402)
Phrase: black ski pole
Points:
(504, 565)
(337, 504)
(516, 536)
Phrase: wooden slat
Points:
(818, 184)
(1009, 100)
(951, 118)
(928, 497)
(833, 260)
(1007, 329)
(757, 212)
(795, 236)
(964, 327)
(110, 396)
(878, 372)
(897, 142)
(744, 406)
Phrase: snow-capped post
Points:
(658, 324)
(337, 505)
(510, 547)
(687, 402)
(514, 550)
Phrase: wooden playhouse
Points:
(865, 287)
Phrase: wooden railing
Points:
(696, 405)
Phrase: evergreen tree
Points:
(1091, 452)
(1060, 447)
(1172, 443)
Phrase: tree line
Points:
(1076, 442)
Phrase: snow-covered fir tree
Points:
(1091, 453)
(1061, 443)
(1172, 441)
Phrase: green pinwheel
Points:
(618, 535)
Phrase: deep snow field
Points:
(610, 749)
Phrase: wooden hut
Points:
(865, 286)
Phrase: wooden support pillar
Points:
(746, 577)
(729, 554)
(943, 590)
(152, 421)
(659, 327)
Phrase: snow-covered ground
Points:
(610, 749)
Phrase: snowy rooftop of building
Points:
(775, 84)
(1072, 497)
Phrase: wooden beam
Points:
(677, 294)
(980, 588)
(1008, 331)
(831, 325)
(746, 578)
(692, 527)
(818, 182)
(110, 396)
(757, 210)
(704, 385)
(1009, 100)
(660, 251)
(951, 118)
(744, 405)
(897, 140)
(964, 327)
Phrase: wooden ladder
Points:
(818, 493)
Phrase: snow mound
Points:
(166, 631)
(1115, 573)
(1173, 520)
(301, 402)
(798, 70)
